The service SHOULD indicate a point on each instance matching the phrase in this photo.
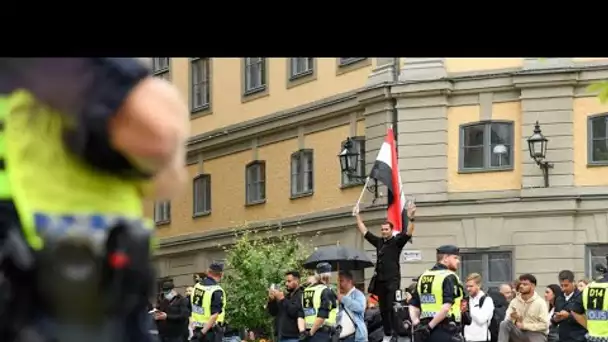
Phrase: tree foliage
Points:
(601, 88)
(253, 264)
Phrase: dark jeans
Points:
(289, 340)
(440, 335)
(350, 338)
(320, 336)
(211, 336)
(386, 298)
(172, 339)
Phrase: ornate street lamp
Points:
(537, 145)
(349, 160)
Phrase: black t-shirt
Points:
(388, 252)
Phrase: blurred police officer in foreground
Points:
(595, 302)
(435, 306)
(74, 244)
(208, 306)
(320, 308)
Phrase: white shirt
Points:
(348, 327)
(478, 330)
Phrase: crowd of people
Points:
(436, 307)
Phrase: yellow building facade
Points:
(266, 133)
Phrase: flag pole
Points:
(362, 191)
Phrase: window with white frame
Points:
(486, 146)
(162, 212)
(161, 67)
(255, 174)
(302, 172)
(495, 267)
(200, 85)
(301, 66)
(255, 74)
(358, 147)
(201, 188)
(597, 146)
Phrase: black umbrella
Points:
(340, 258)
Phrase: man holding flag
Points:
(387, 276)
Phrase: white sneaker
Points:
(386, 338)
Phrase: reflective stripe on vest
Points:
(5, 188)
(92, 225)
(53, 190)
(201, 304)
(595, 301)
(430, 290)
(311, 301)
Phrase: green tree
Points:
(253, 264)
(601, 88)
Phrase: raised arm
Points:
(360, 225)
(371, 238)
(406, 235)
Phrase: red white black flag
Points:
(386, 171)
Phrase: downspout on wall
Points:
(393, 101)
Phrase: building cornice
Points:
(459, 89)
(505, 80)
(326, 109)
(341, 218)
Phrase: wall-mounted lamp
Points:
(537, 145)
(349, 159)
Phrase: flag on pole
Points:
(386, 171)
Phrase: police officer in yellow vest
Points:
(595, 302)
(208, 302)
(74, 170)
(435, 307)
(320, 308)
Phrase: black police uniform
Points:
(216, 333)
(443, 332)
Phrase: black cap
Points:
(216, 267)
(448, 249)
(168, 286)
(323, 267)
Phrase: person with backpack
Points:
(480, 309)
(501, 304)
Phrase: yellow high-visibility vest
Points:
(311, 302)
(201, 304)
(53, 190)
(595, 302)
(430, 290)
